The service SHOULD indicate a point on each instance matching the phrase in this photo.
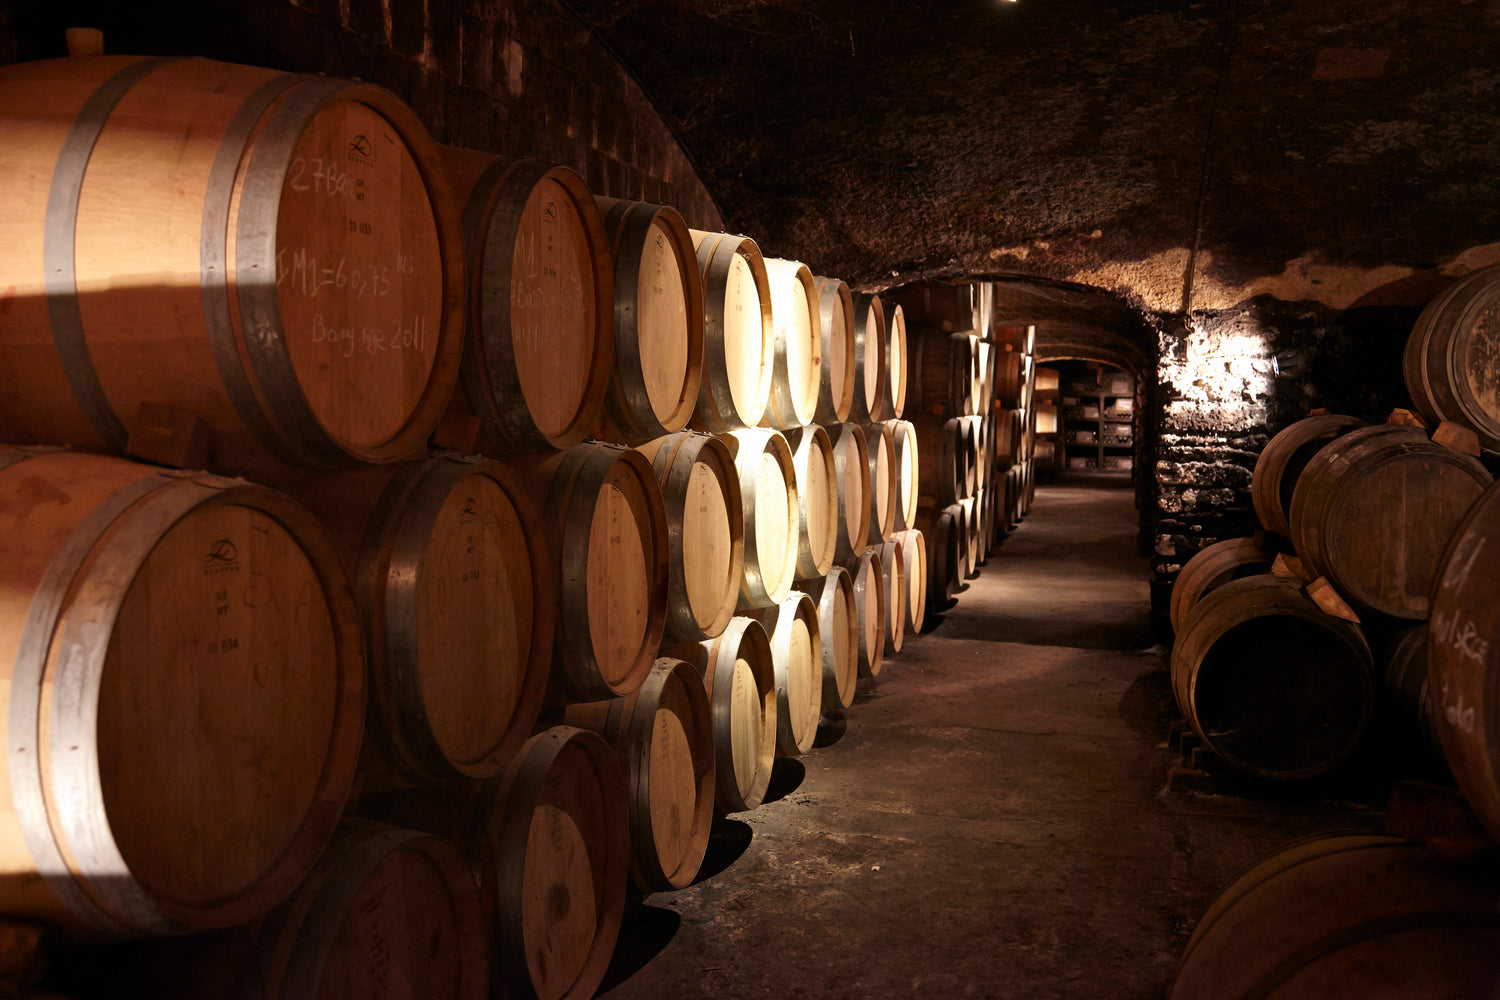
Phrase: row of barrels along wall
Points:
(1372, 586)
(480, 637)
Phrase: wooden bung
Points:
(836, 323)
(798, 342)
(797, 656)
(869, 603)
(768, 491)
(277, 255)
(606, 529)
(457, 593)
(194, 647)
(705, 532)
(740, 680)
(662, 735)
(838, 628)
(739, 336)
(540, 342)
(851, 460)
(658, 323)
(871, 384)
(1269, 682)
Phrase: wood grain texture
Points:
(768, 491)
(817, 500)
(836, 321)
(1282, 461)
(799, 351)
(739, 336)
(1213, 566)
(871, 384)
(869, 604)
(851, 459)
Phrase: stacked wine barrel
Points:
(561, 522)
(1279, 636)
(970, 403)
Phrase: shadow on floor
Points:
(728, 840)
(644, 931)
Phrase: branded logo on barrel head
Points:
(550, 212)
(222, 557)
(360, 146)
(468, 509)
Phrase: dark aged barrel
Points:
(1452, 358)
(375, 889)
(797, 655)
(1407, 688)
(798, 355)
(838, 630)
(870, 338)
(768, 491)
(1347, 915)
(851, 460)
(945, 374)
(944, 469)
(186, 690)
(1373, 510)
(739, 339)
(540, 339)
(836, 320)
(740, 680)
(552, 858)
(817, 500)
(869, 603)
(662, 735)
(940, 536)
(1213, 566)
(658, 323)
(606, 526)
(1282, 461)
(1268, 681)
(457, 592)
(705, 532)
(1010, 378)
(134, 185)
(1463, 657)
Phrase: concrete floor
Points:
(992, 818)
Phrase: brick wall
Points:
(521, 77)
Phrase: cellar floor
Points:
(994, 816)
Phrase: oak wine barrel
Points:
(134, 184)
(880, 438)
(1282, 461)
(1010, 436)
(741, 684)
(606, 530)
(193, 646)
(940, 536)
(869, 603)
(838, 628)
(1408, 691)
(1452, 358)
(871, 383)
(895, 365)
(1213, 566)
(907, 471)
(914, 566)
(970, 507)
(893, 581)
(1347, 915)
(946, 369)
(457, 593)
(705, 532)
(768, 491)
(836, 322)
(552, 857)
(798, 356)
(375, 888)
(797, 656)
(1010, 378)
(1373, 510)
(658, 323)
(945, 471)
(851, 462)
(540, 341)
(739, 338)
(1270, 682)
(817, 500)
(1463, 657)
(662, 735)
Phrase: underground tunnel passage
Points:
(560, 498)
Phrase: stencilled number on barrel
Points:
(228, 645)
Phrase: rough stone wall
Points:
(520, 77)
(1228, 380)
